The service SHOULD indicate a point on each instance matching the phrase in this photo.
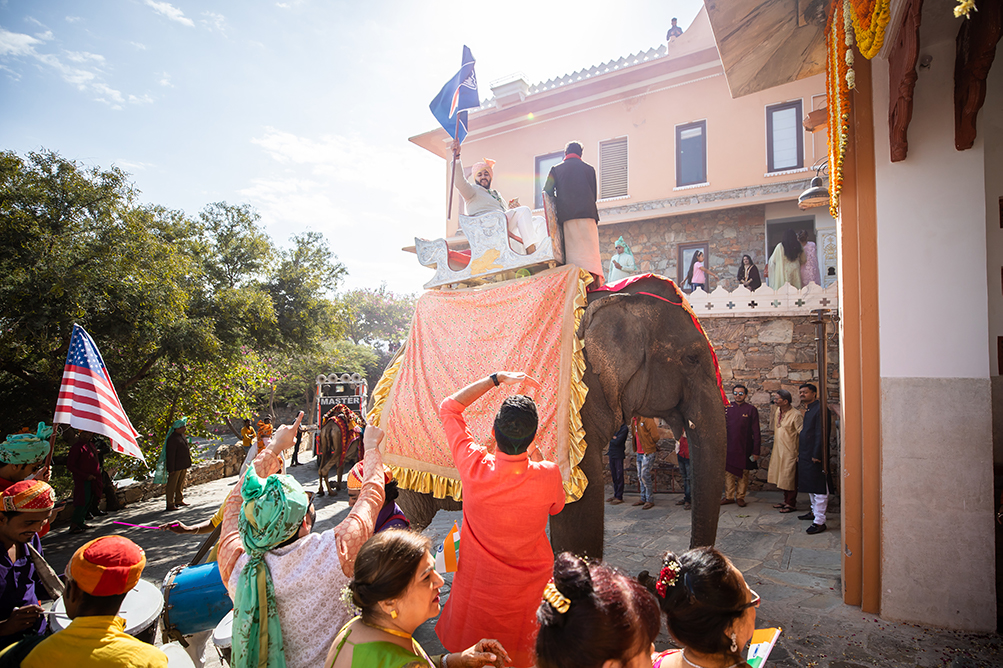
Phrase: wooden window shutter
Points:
(613, 168)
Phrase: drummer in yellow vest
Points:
(98, 577)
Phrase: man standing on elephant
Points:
(742, 420)
(645, 435)
(812, 477)
(508, 497)
(572, 184)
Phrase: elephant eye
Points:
(693, 358)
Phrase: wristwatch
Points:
(494, 379)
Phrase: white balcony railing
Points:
(764, 302)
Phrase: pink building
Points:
(681, 164)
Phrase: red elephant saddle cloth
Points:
(457, 336)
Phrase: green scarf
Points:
(160, 474)
(273, 509)
(26, 448)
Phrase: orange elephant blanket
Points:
(458, 336)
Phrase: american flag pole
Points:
(88, 400)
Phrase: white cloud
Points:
(214, 21)
(32, 19)
(17, 44)
(346, 188)
(138, 45)
(168, 10)
(73, 19)
(85, 72)
(133, 166)
(84, 57)
(44, 36)
(165, 80)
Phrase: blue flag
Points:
(458, 94)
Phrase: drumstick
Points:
(141, 526)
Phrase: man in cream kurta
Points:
(786, 421)
(523, 227)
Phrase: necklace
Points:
(696, 665)
(393, 632)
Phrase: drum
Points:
(140, 609)
(194, 599)
(222, 637)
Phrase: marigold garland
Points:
(870, 18)
(838, 81)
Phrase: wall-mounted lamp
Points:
(817, 194)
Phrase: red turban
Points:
(355, 476)
(107, 566)
(28, 496)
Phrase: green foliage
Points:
(295, 375)
(378, 317)
(186, 311)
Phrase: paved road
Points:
(797, 575)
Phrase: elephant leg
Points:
(418, 508)
(579, 528)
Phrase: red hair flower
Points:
(667, 577)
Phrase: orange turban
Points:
(28, 496)
(355, 476)
(107, 566)
(486, 162)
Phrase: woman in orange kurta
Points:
(505, 557)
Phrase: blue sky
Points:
(300, 108)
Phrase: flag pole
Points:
(452, 172)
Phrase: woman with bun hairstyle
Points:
(709, 610)
(396, 587)
(593, 616)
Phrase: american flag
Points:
(87, 398)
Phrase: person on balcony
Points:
(572, 184)
(809, 270)
(786, 261)
(748, 274)
(523, 227)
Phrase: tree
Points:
(185, 311)
(305, 275)
(378, 317)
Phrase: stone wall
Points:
(764, 355)
(729, 233)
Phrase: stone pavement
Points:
(797, 575)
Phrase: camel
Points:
(330, 444)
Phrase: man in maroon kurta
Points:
(742, 420)
(505, 558)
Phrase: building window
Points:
(613, 168)
(691, 153)
(784, 137)
(543, 165)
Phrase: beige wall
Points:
(937, 532)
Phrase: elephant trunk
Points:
(708, 442)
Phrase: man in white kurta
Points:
(622, 264)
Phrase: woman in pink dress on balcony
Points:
(809, 270)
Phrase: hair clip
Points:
(667, 577)
(559, 601)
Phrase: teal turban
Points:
(160, 474)
(272, 512)
(26, 448)
(626, 248)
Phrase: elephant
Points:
(644, 356)
(329, 450)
